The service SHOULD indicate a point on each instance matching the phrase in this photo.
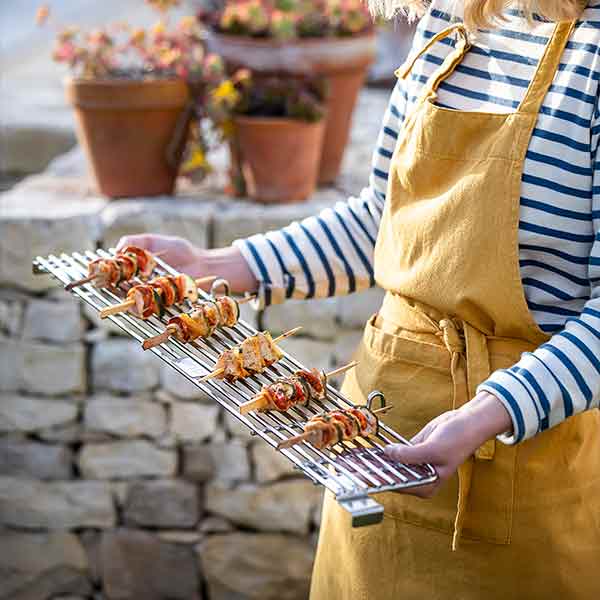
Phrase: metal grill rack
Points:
(353, 471)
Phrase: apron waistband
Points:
(468, 349)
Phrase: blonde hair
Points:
(485, 13)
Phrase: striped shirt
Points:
(559, 229)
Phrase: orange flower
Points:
(42, 14)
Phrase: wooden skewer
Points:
(159, 339)
(384, 409)
(246, 299)
(261, 400)
(277, 339)
(343, 369)
(203, 280)
(79, 282)
(303, 437)
(117, 308)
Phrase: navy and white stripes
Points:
(559, 229)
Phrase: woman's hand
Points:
(448, 440)
(197, 262)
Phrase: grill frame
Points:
(353, 470)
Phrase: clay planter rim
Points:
(87, 93)
(304, 54)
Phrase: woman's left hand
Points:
(448, 440)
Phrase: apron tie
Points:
(469, 366)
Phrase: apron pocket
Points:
(415, 378)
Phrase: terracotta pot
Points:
(279, 157)
(133, 132)
(344, 62)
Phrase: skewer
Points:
(79, 282)
(261, 399)
(127, 304)
(383, 409)
(296, 439)
(275, 341)
(170, 330)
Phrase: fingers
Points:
(142, 240)
(410, 455)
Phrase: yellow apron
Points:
(524, 519)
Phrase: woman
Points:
(485, 199)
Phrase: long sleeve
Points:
(330, 253)
(562, 377)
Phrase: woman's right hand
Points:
(197, 262)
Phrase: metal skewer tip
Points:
(159, 339)
(117, 308)
(79, 282)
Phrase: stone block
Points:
(179, 386)
(230, 459)
(124, 417)
(137, 564)
(166, 503)
(58, 322)
(193, 422)
(24, 413)
(121, 365)
(197, 463)
(356, 309)
(41, 565)
(240, 566)
(177, 536)
(215, 525)
(23, 458)
(30, 504)
(317, 317)
(41, 368)
(11, 317)
(184, 217)
(125, 459)
(236, 428)
(315, 354)
(240, 219)
(283, 506)
(27, 230)
(269, 465)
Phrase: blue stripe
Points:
(340, 254)
(262, 268)
(556, 187)
(361, 225)
(579, 260)
(588, 354)
(310, 282)
(561, 139)
(566, 397)
(365, 261)
(554, 210)
(511, 373)
(568, 363)
(516, 409)
(385, 153)
(390, 132)
(561, 164)
(553, 310)
(550, 289)
(287, 276)
(540, 265)
(590, 311)
(556, 233)
(379, 173)
(323, 259)
(542, 398)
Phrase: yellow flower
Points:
(196, 161)
(228, 128)
(159, 28)
(226, 93)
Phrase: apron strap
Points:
(547, 67)
(450, 63)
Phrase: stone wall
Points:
(118, 478)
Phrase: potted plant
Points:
(139, 99)
(277, 131)
(331, 38)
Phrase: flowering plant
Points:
(163, 51)
(290, 19)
